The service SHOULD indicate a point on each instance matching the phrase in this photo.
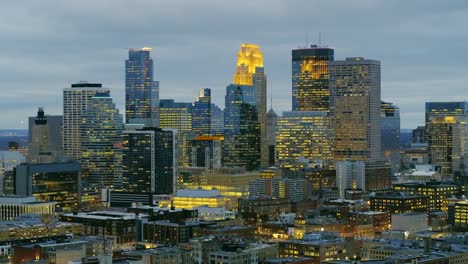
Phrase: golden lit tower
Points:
(250, 71)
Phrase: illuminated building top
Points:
(249, 57)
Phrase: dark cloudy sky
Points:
(46, 45)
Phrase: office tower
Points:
(41, 150)
(59, 182)
(390, 134)
(350, 175)
(9, 159)
(378, 175)
(201, 113)
(206, 151)
(310, 78)
(101, 131)
(304, 139)
(141, 91)
(75, 102)
(442, 109)
(272, 120)
(419, 135)
(241, 127)
(217, 120)
(178, 115)
(149, 161)
(54, 122)
(250, 71)
(355, 102)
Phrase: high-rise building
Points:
(41, 149)
(178, 115)
(310, 78)
(241, 127)
(54, 122)
(101, 131)
(206, 151)
(355, 102)
(272, 127)
(419, 135)
(350, 175)
(201, 113)
(217, 120)
(304, 139)
(75, 102)
(442, 109)
(59, 182)
(141, 91)
(390, 134)
(250, 71)
(149, 161)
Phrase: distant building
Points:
(304, 139)
(419, 135)
(58, 182)
(201, 113)
(310, 78)
(292, 189)
(14, 206)
(101, 132)
(41, 149)
(141, 91)
(390, 130)
(399, 202)
(207, 152)
(217, 120)
(350, 175)
(75, 102)
(8, 162)
(54, 123)
(437, 192)
(241, 128)
(272, 126)
(355, 103)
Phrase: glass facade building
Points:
(241, 128)
(101, 132)
(141, 91)
(148, 161)
(217, 120)
(390, 134)
(310, 78)
(201, 113)
(304, 139)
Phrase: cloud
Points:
(47, 45)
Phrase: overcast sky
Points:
(47, 45)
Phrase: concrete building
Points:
(75, 102)
(390, 130)
(350, 175)
(42, 148)
(14, 206)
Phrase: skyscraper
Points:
(141, 91)
(250, 71)
(272, 121)
(75, 102)
(355, 102)
(178, 115)
(390, 130)
(149, 161)
(241, 127)
(310, 78)
(101, 131)
(217, 120)
(201, 113)
(350, 175)
(54, 122)
(304, 139)
(41, 148)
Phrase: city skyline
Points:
(40, 54)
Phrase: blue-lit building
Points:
(201, 113)
(141, 91)
(241, 127)
(310, 78)
(390, 130)
(217, 120)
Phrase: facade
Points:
(399, 202)
(419, 135)
(304, 139)
(310, 78)
(378, 175)
(43, 148)
(14, 206)
(437, 192)
(272, 127)
(241, 128)
(57, 182)
(8, 162)
(206, 151)
(458, 215)
(75, 102)
(178, 115)
(217, 120)
(293, 189)
(350, 175)
(101, 131)
(355, 101)
(141, 91)
(390, 131)
(250, 71)
(148, 161)
(201, 113)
